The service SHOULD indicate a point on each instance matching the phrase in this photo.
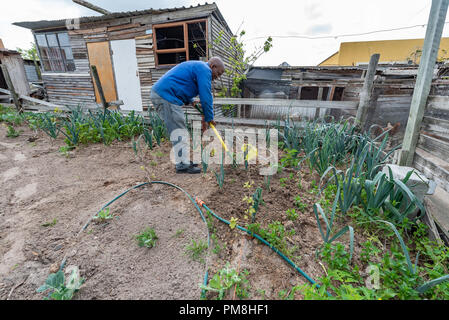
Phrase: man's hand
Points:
(203, 125)
(212, 122)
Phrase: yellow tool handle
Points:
(219, 137)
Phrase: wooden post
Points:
(319, 98)
(423, 80)
(99, 87)
(365, 95)
(11, 88)
(91, 6)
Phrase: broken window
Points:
(197, 40)
(311, 93)
(179, 42)
(55, 51)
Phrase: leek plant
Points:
(402, 203)
(329, 221)
(349, 185)
(49, 124)
(220, 177)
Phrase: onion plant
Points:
(329, 222)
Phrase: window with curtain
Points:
(55, 51)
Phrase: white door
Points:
(126, 74)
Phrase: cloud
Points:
(262, 19)
(318, 29)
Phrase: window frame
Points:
(184, 24)
(64, 60)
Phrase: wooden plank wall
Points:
(432, 153)
(16, 69)
(145, 64)
(72, 88)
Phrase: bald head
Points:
(217, 66)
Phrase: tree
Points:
(31, 54)
(240, 62)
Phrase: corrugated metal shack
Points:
(391, 100)
(393, 90)
(131, 51)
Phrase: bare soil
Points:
(47, 197)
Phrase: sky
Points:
(284, 20)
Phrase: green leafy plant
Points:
(299, 203)
(257, 200)
(60, 289)
(147, 238)
(220, 176)
(64, 150)
(349, 184)
(11, 132)
(275, 235)
(292, 214)
(329, 221)
(50, 224)
(103, 215)
(225, 279)
(196, 250)
(282, 182)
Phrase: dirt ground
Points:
(47, 197)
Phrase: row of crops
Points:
(357, 196)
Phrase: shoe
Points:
(193, 164)
(187, 168)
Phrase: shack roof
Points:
(8, 52)
(61, 23)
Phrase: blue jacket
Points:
(184, 82)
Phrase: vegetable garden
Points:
(330, 224)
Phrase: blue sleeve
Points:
(205, 91)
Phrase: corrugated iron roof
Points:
(50, 24)
(8, 51)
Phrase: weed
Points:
(292, 214)
(12, 133)
(282, 182)
(64, 150)
(233, 223)
(299, 204)
(196, 250)
(179, 233)
(51, 223)
(274, 234)
(217, 247)
(147, 238)
(248, 184)
(290, 159)
(103, 215)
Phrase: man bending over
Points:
(178, 87)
